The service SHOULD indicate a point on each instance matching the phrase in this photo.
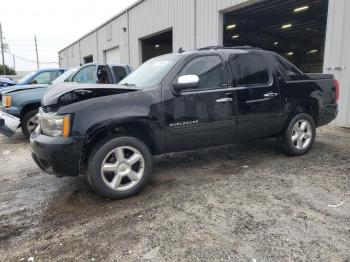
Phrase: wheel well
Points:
(138, 130)
(28, 108)
(310, 107)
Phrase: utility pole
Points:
(2, 51)
(36, 50)
(14, 62)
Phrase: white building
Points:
(313, 34)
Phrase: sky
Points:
(56, 24)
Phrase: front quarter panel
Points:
(93, 114)
(23, 98)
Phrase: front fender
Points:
(25, 98)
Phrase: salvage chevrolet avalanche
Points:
(177, 102)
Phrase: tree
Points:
(8, 71)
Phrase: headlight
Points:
(55, 125)
(6, 101)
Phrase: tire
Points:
(124, 178)
(27, 124)
(299, 136)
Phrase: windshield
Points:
(66, 75)
(26, 78)
(152, 72)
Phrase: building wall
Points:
(63, 59)
(88, 46)
(337, 54)
(112, 35)
(195, 23)
(153, 16)
(73, 53)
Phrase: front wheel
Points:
(120, 167)
(29, 122)
(300, 134)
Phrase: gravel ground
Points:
(244, 202)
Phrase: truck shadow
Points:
(76, 196)
(174, 175)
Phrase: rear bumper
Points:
(327, 114)
(57, 155)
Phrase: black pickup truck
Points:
(177, 102)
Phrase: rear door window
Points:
(249, 69)
(86, 75)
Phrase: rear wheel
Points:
(29, 122)
(120, 167)
(299, 136)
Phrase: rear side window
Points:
(119, 72)
(249, 69)
(288, 71)
(209, 69)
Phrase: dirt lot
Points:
(233, 203)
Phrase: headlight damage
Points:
(55, 125)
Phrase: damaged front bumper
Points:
(57, 155)
(8, 124)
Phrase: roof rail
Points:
(246, 47)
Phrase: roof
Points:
(218, 47)
(49, 69)
(103, 24)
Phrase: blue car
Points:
(5, 82)
(42, 76)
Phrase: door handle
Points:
(224, 100)
(270, 94)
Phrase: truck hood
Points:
(69, 93)
(12, 89)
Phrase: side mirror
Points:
(186, 82)
(33, 82)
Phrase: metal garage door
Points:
(112, 56)
(337, 55)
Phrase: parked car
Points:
(23, 102)
(177, 102)
(41, 76)
(5, 82)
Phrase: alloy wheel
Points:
(32, 123)
(123, 168)
(302, 134)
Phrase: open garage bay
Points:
(295, 29)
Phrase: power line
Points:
(31, 61)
